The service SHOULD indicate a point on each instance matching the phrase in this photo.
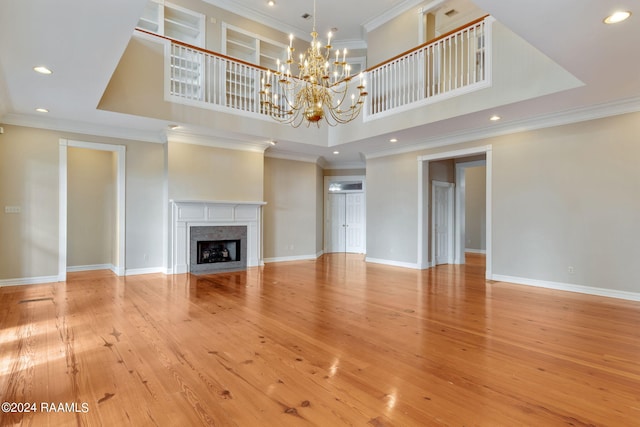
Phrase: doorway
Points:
(425, 251)
(345, 229)
(119, 224)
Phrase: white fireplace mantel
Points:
(194, 213)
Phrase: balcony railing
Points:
(453, 64)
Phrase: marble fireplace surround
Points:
(189, 213)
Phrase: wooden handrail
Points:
(209, 52)
(445, 35)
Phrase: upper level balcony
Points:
(473, 68)
(455, 63)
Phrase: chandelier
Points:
(320, 90)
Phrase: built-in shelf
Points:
(173, 21)
(249, 47)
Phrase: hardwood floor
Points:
(331, 342)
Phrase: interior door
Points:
(354, 222)
(442, 222)
(346, 222)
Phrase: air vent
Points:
(451, 13)
(306, 16)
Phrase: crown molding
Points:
(70, 126)
(630, 105)
(183, 137)
(390, 14)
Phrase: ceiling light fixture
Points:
(273, 142)
(495, 118)
(42, 70)
(320, 91)
(42, 110)
(393, 140)
(271, 3)
(173, 127)
(616, 17)
(336, 152)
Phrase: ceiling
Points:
(82, 42)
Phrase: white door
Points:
(354, 221)
(346, 222)
(442, 222)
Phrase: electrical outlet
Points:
(12, 209)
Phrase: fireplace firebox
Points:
(217, 249)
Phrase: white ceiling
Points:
(82, 42)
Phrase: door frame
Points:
(327, 181)
(450, 188)
(424, 191)
(120, 151)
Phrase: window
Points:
(345, 186)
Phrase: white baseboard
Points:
(77, 268)
(118, 271)
(29, 281)
(611, 293)
(475, 251)
(393, 263)
(291, 258)
(138, 271)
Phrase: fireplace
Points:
(190, 215)
(217, 249)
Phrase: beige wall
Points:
(91, 207)
(345, 172)
(393, 38)
(29, 174)
(562, 197)
(199, 172)
(28, 179)
(475, 208)
(293, 214)
(319, 209)
(392, 208)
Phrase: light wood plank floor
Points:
(330, 342)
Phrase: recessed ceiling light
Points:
(393, 140)
(495, 118)
(273, 142)
(616, 17)
(42, 110)
(336, 152)
(42, 70)
(271, 3)
(172, 127)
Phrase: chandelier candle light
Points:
(319, 91)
